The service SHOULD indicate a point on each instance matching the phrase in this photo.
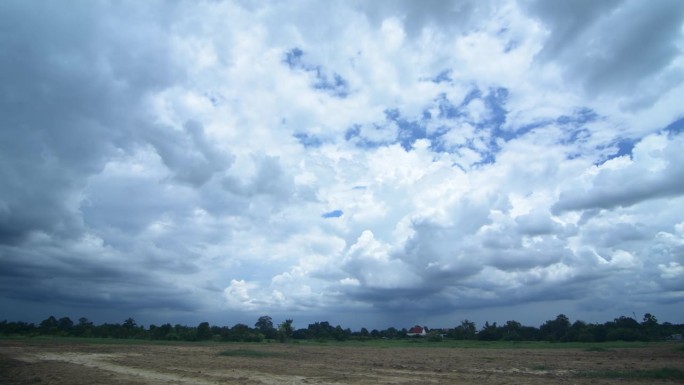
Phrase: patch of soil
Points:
(50, 362)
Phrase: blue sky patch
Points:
(293, 58)
(352, 132)
(409, 130)
(443, 77)
(447, 110)
(333, 84)
(625, 147)
(675, 127)
(495, 101)
(333, 214)
(580, 116)
(338, 86)
(308, 140)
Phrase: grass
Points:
(380, 343)
(597, 349)
(540, 368)
(104, 341)
(474, 344)
(248, 353)
(651, 374)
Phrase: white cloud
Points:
(655, 172)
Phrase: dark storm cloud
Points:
(75, 79)
(70, 275)
(147, 201)
(70, 97)
(630, 40)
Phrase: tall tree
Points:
(555, 330)
(649, 320)
(65, 324)
(265, 326)
(49, 325)
(204, 331)
(285, 330)
(129, 323)
(469, 329)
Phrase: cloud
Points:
(612, 46)
(452, 15)
(189, 155)
(654, 172)
(70, 100)
(221, 160)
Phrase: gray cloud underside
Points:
(630, 40)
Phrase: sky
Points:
(367, 163)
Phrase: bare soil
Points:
(55, 362)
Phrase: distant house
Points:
(416, 331)
(675, 337)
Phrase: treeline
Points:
(559, 329)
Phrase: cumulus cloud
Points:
(71, 96)
(189, 155)
(612, 46)
(427, 160)
(655, 171)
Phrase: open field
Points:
(31, 361)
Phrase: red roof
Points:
(416, 329)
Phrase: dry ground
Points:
(56, 362)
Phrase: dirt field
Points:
(54, 362)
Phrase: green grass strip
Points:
(651, 374)
(248, 353)
(597, 349)
(474, 344)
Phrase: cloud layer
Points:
(396, 161)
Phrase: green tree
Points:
(579, 331)
(391, 332)
(490, 332)
(285, 331)
(84, 322)
(650, 326)
(434, 336)
(321, 331)
(204, 331)
(341, 334)
(129, 323)
(49, 325)
(467, 330)
(242, 332)
(512, 331)
(265, 326)
(65, 324)
(649, 320)
(555, 330)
